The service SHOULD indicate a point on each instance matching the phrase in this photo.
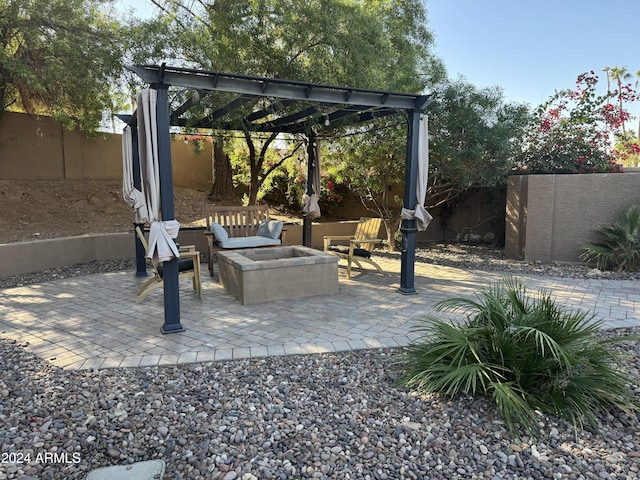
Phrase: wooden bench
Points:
(238, 222)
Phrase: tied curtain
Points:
(131, 195)
(311, 206)
(419, 213)
(146, 202)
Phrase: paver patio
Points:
(93, 321)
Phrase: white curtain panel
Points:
(162, 247)
(422, 217)
(131, 195)
(148, 147)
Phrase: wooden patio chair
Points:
(188, 267)
(361, 244)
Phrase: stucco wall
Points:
(33, 147)
(550, 217)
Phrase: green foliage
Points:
(573, 130)
(526, 353)
(332, 195)
(361, 43)
(372, 164)
(286, 191)
(60, 58)
(618, 244)
(473, 136)
(627, 149)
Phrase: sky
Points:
(529, 48)
(532, 48)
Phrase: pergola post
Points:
(170, 268)
(408, 227)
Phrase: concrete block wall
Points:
(33, 147)
(37, 255)
(550, 217)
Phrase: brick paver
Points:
(94, 322)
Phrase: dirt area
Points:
(37, 209)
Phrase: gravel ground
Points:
(337, 416)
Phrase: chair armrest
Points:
(328, 238)
(367, 240)
(338, 237)
(194, 254)
(187, 248)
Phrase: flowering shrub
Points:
(573, 131)
(331, 197)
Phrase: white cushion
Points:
(219, 232)
(248, 242)
(270, 228)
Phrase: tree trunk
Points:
(222, 188)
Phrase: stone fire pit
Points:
(266, 274)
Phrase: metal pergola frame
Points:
(260, 104)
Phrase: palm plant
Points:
(527, 354)
(619, 74)
(618, 245)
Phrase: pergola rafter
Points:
(260, 104)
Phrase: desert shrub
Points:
(526, 353)
(618, 245)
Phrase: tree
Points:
(372, 164)
(264, 161)
(60, 58)
(620, 75)
(361, 43)
(222, 175)
(473, 136)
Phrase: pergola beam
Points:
(288, 120)
(269, 110)
(286, 89)
(197, 96)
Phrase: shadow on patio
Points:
(94, 322)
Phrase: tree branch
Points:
(280, 162)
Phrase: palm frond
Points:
(513, 407)
(527, 353)
(618, 243)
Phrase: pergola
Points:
(259, 104)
